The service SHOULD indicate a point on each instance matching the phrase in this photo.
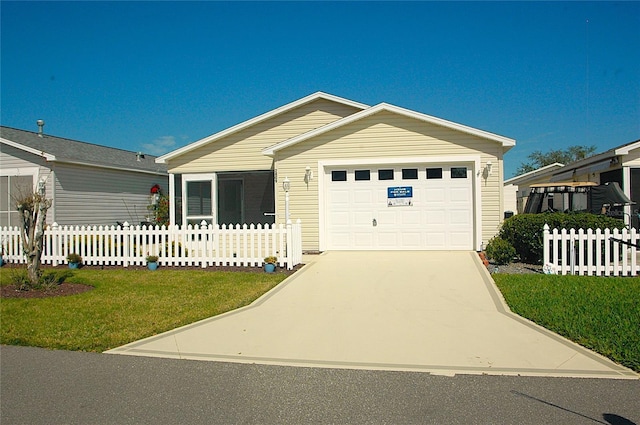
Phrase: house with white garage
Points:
(88, 184)
(359, 177)
(620, 164)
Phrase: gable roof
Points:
(58, 149)
(595, 163)
(258, 119)
(522, 178)
(504, 141)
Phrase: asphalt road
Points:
(40, 386)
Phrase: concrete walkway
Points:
(437, 312)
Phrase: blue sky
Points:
(154, 76)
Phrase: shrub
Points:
(524, 231)
(74, 258)
(500, 251)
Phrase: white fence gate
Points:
(200, 245)
(592, 252)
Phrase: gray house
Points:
(88, 184)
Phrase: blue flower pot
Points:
(152, 266)
(269, 268)
(73, 265)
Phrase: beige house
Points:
(620, 164)
(360, 177)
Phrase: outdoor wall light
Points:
(308, 175)
(286, 184)
(488, 167)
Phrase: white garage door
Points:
(404, 207)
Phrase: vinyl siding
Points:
(384, 135)
(97, 196)
(242, 151)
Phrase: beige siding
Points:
(384, 135)
(242, 151)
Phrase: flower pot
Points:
(1, 261)
(269, 268)
(73, 265)
(152, 266)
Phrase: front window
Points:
(11, 189)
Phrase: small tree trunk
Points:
(34, 212)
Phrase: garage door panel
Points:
(363, 240)
(436, 217)
(362, 218)
(339, 218)
(363, 215)
(363, 197)
(434, 195)
(388, 240)
(459, 218)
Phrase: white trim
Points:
(505, 141)
(172, 197)
(212, 177)
(624, 150)
(547, 169)
(449, 160)
(47, 156)
(245, 124)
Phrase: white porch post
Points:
(172, 199)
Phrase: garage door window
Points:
(339, 176)
(434, 173)
(459, 172)
(385, 174)
(363, 175)
(410, 174)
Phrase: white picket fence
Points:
(592, 252)
(200, 245)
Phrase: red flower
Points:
(155, 188)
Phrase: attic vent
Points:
(40, 127)
(139, 156)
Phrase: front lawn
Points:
(126, 305)
(600, 313)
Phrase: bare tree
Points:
(33, 212)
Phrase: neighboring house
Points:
(620, 164)
(361, 177)
(517, 188)
(87, 184)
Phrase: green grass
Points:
(600, 313)
(126, 305)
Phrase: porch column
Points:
(172, 199)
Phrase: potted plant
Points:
(270, 264)
(74, 260)
(152, 262)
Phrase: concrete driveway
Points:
(437, 312)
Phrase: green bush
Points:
(524, 231)
(500, 251)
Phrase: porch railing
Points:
(200, 245)
(592, 252)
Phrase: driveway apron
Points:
(437, 312)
